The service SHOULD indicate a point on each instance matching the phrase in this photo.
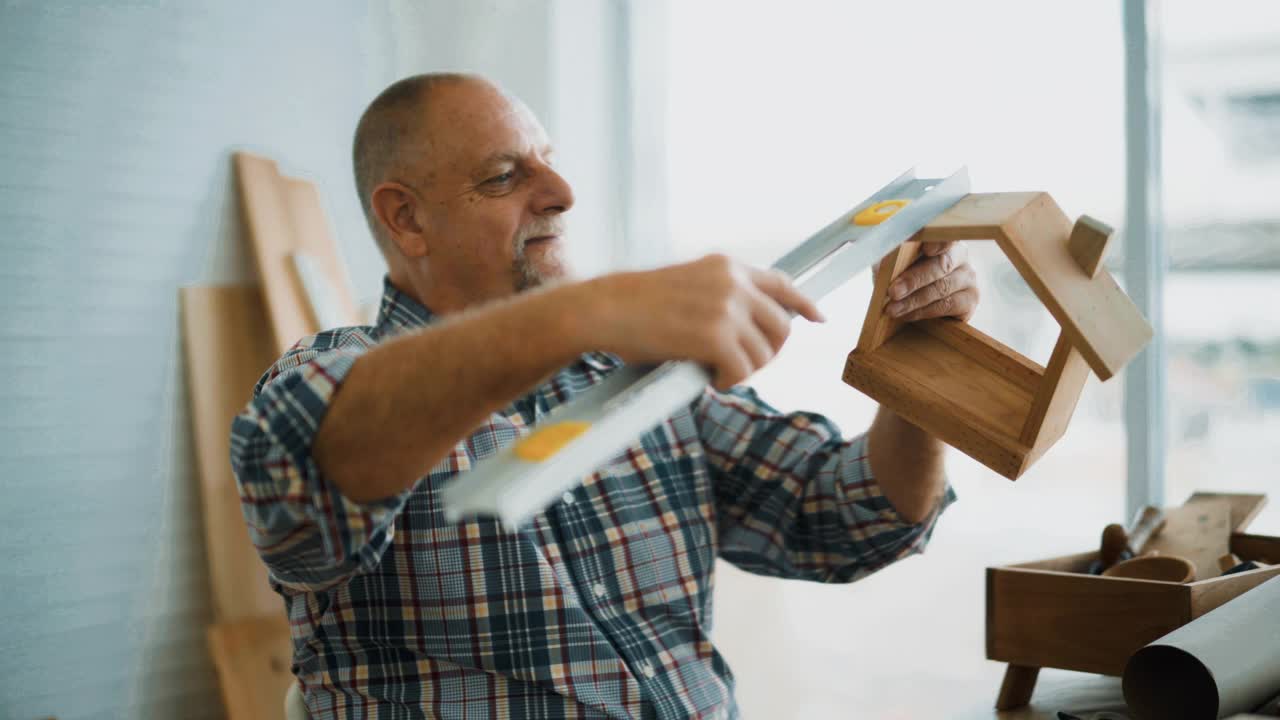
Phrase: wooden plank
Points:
(1262, 548)
(938, 414)
(228, 347)
(1055, 402)
(1076, 563)
(1199, 532)
(314, 236)
(1209, 594)
(281, 216)
(986, 350)
(1088, 243)
(1244, 506)
(1077, 622)
(253, 658)
(980, 392)
(1098, 318)
(978, 216)
(269, 229)
(878, 327)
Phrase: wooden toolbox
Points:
(1053, 613)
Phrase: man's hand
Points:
(940, 283)
(907, 462)
(727, 316)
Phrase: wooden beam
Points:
(1088, 243)
(878, 327)
(283, 215)
(1056, 399)
(1098, 318)
(978, 216)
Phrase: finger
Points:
(957, 305)
(932, 249)
(778, 286)
(927, 270)
(773, 322)
(927, 295)
(962, 279)
(756, 346)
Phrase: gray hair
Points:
(391, 124)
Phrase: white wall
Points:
(115, 133)
(115, 189)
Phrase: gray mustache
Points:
(538, 229)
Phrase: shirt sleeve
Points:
(794, 499)
(308, 533)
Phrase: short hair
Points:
(390, 123)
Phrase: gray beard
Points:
(525, 275)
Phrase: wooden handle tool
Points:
(1119, 544)
(1115, 547)
(1147, 524)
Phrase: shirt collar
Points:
(399, 312)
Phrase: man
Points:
(601, 605)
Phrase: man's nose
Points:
(554, 195)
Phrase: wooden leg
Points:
(1019, 683)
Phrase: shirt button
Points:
(647, 669)
(599, 590)
(567, 497)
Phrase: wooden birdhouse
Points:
(968, 389)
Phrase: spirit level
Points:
(578, 437)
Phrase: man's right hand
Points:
(729, 317)
(409, 400)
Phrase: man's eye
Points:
(499, 179)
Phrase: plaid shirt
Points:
(599, 607)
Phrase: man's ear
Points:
(399, 210)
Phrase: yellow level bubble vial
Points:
(879, 212)
(547, 441)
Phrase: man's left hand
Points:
(940, 283)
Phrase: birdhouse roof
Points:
(1097, 318)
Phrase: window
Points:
(781, 117)
(1221, 91)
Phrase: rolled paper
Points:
(1227, 661)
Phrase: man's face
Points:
(494, 206)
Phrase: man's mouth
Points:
(540, 238)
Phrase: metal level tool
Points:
(578, 437)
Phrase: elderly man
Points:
(601, 605)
